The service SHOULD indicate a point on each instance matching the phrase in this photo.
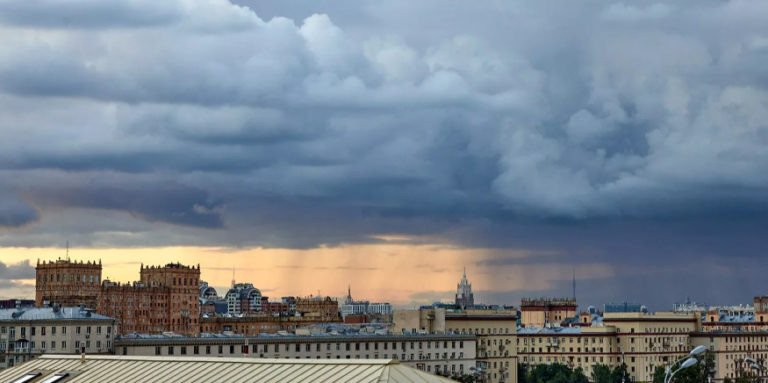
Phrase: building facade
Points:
(363, 308)
(495, 331)
(641, 341)
(325, 309)
(27, 333)
(465, 298)
(540, 312)
(255, 324)
(243, 298)
(67, 283)
(448, 354)
(165, 299)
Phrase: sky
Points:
(313, 145)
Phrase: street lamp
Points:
(689, 361)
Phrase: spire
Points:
(233, 277)
(348, 299)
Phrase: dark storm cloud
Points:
(14, 212)
(10, 273)
(169, 203)
(597, 130)
(22, 270)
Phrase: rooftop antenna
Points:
(574, 284)
(67, 250)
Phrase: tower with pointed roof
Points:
(464, 296)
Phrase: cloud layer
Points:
(293, 125)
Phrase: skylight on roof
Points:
(55, 377)
(30, 376)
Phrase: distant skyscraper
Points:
(464, 296)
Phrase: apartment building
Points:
(537, 312)
(495, 331)
(443, 354)
(165, 299)
(255, 324)
(67, 283)
(26, 333)
(640, 340)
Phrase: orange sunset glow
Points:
(401, 273)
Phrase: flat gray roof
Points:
(47, 314)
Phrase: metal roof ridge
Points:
(251, 360)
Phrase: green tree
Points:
(550, 373)
(620, 374)
(698, 373)
(463, 378)
(601, 374)
(658, 374)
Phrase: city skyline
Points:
(387, 145)
(125, 272)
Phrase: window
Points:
(196, 350)
(183, 350)
(28, 377)
(55, 378)
(157, 350)
(170, 350)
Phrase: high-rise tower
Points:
(464, 296)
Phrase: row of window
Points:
(90, 278)
(50, 345)
(264, 349)
(11, 330)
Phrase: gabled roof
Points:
(129, 369)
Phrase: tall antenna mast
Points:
(574, 284)
(67, 250)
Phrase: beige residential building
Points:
(542, 311)
(495, 331)
(27, 333)
(447, 355)
(642, 341)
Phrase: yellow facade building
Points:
(495, 331)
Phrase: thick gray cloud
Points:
(14, 212)
(10, 274)
(545, 125)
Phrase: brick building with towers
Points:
(164, 299)
(67, 283)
